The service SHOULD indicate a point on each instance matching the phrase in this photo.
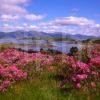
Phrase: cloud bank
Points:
(14, 15)
(15, 10)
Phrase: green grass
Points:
(5, 46)
(44, 88)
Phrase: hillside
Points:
(43, 35)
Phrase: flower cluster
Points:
(16, 65)
(96, 61)
(10, 75)
(11, 57)
(13, 61)
(77, 72)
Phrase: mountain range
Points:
(34, 34)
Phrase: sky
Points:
(65, 16)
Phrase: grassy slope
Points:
(44, 88)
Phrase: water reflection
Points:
(62, 46)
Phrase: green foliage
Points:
(84, 55)
(96, 41)
(45, 88)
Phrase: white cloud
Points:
(32, 17)
(13, 6)
(7, 27)
(28, 17)
(72, 25)
(14, 1)
(33, 27)
(16, 9)
(25, 27)
(80, 21)
(8, 17)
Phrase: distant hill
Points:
(35, 34)
(97, 40)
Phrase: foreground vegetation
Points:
(46, 88)
(42, 76)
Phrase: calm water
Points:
(38, 44)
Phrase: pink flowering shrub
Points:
(30, 62)
(17, 65)
(4, 85)
(10, 57)
(79, 73)
(10, 75)
(95, 61)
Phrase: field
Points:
(47, 76)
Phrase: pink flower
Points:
(95, 61)
(84, 67)
(81, 77)
(78, 85)
(94, 73)
(4, 85)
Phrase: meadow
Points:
(47, 76)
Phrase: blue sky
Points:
(67, 16)
(57, 8)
